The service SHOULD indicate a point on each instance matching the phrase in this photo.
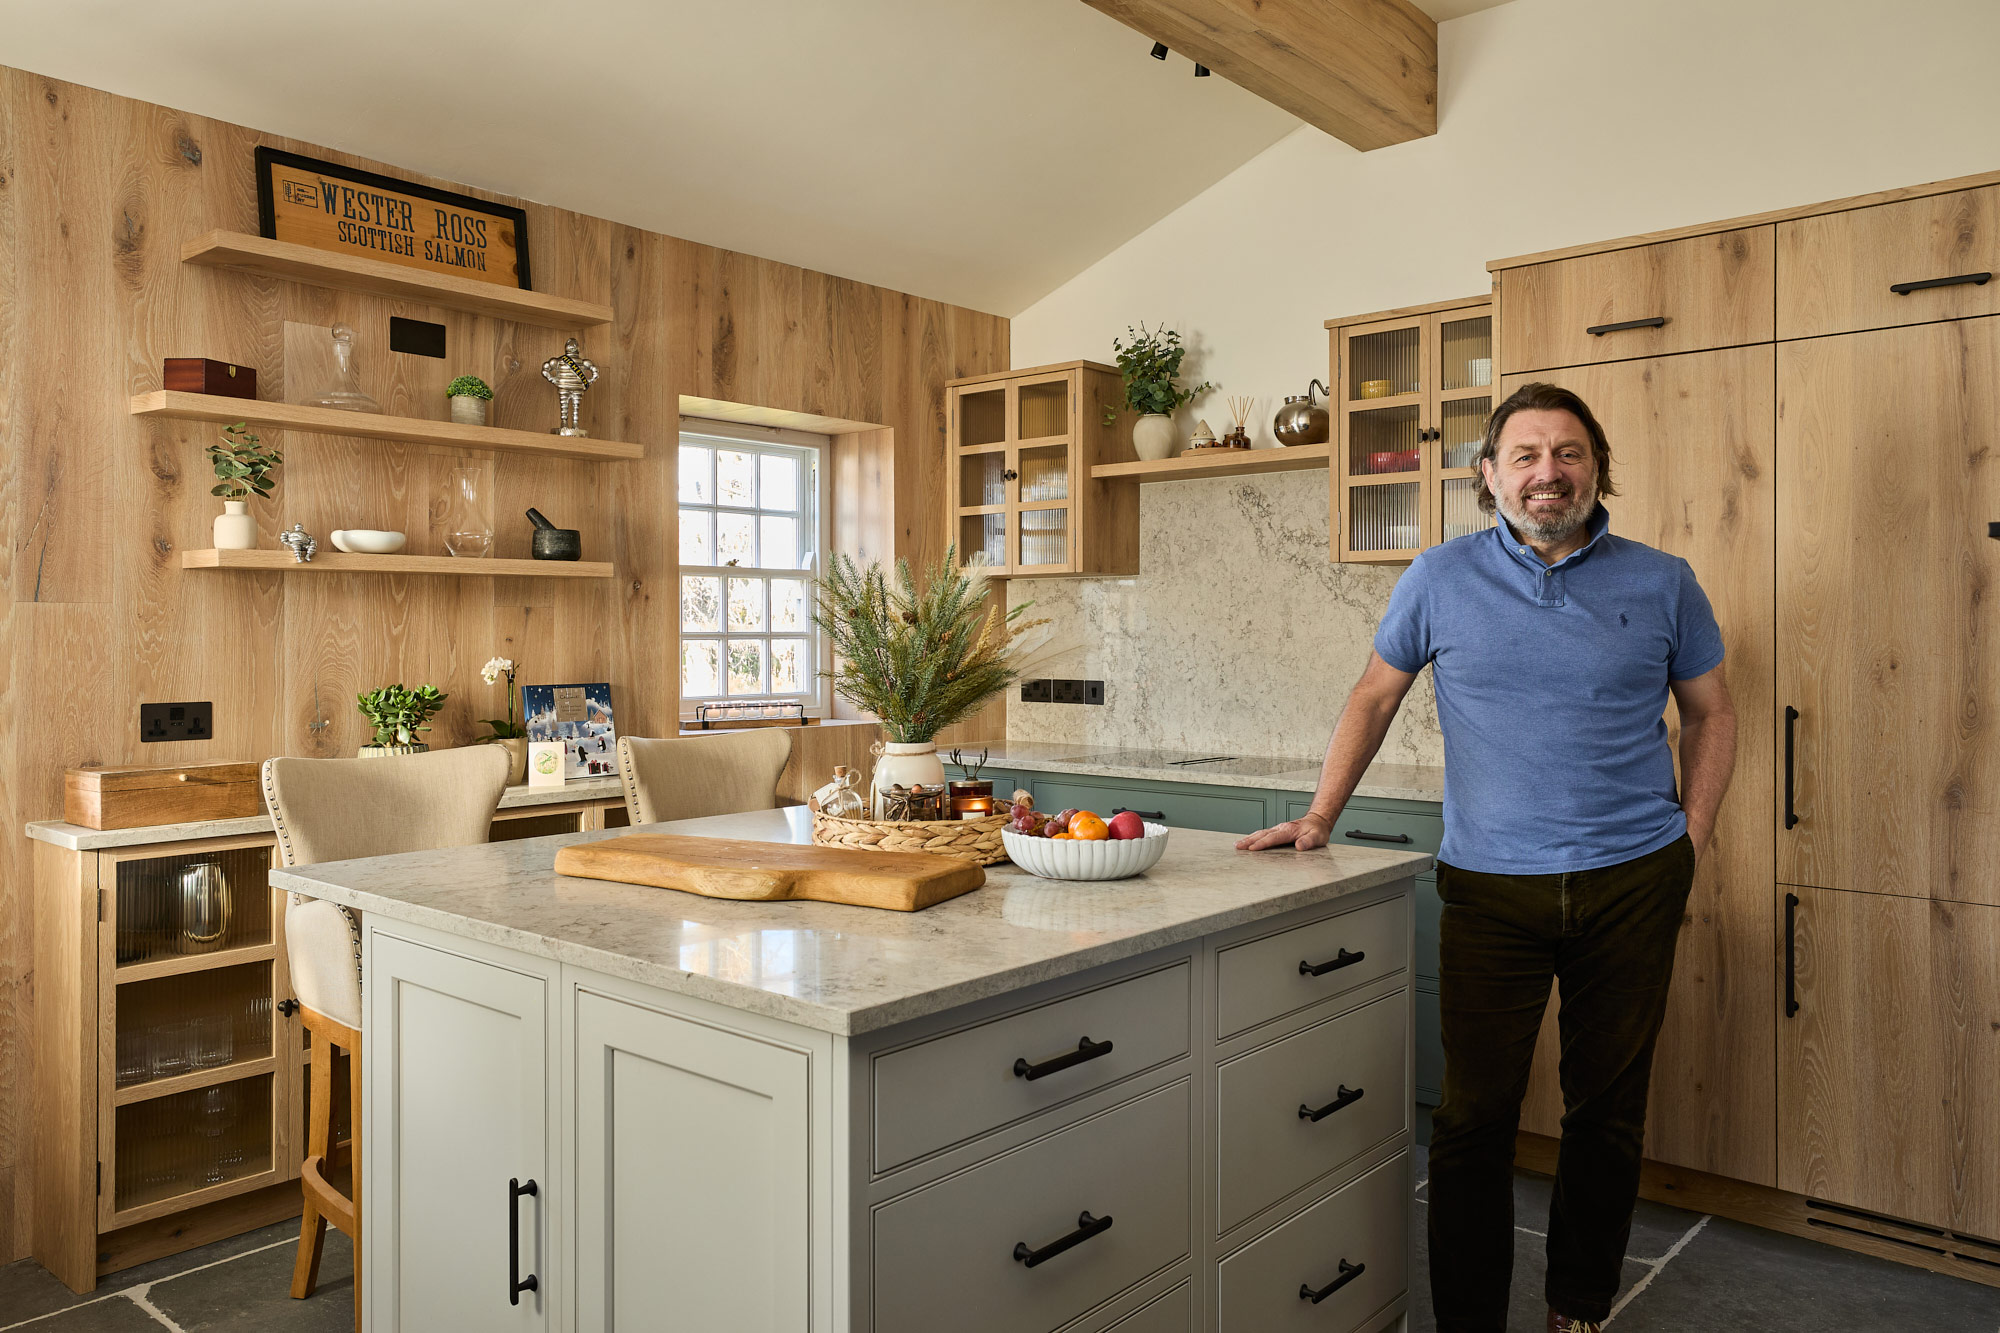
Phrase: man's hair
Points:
(1542, 397)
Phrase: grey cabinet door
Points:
(1224, 812)
(1364, 1226)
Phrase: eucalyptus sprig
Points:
(242, 464)
(1150, 366)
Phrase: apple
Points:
(1126, 825)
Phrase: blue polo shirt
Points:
(1551, 687)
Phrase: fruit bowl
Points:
(1109, 858)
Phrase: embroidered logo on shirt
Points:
(1622, 620)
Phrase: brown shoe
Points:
(1562, 1323)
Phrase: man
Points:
(1567, 852)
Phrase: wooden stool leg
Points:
(319, 1129)
(354, 1164)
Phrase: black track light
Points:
(1201, 71)
(1159, 50)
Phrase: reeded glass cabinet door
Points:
(1465, 401)
(1015, 475)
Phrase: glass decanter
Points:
(344, 394)
(468, 529)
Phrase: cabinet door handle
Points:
(1346, 1097)
(1599, 330)
(1085, 1050)
(516, 1284)
(1086, 1227)
(1791, 954)
(1791, 728)
(1010, 475)
(1364, 836)
(1334, 964)
(1972, 279)
(1348, 1272)
(1143, 814)
(288, 1007)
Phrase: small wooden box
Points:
(197, 374)
(107, 798)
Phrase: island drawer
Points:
(1357, 1065)
(1361, 1233)
(956, 1254)
(1264, 978)
(952, 1088)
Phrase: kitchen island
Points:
(1180, 1101)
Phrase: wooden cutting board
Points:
(773, 871)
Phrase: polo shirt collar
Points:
(1598, 525)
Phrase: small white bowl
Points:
(368, 541)
(1111, 858)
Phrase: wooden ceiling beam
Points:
(1365, 71)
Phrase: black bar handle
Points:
(1599, 330)
(1973, 279)
(1791, 954)
(1364, 836)
(1346, 1097)
(516, 1284)
(1143, 814)
(1085, 1050)
(1348, 1272)
(288, 1007)
(1086, 1227)
(1334, 964)
(1791, 728)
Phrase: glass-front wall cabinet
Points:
(1412, 394)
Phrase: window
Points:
(750, 548)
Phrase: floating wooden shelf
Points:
(340, 562)
(378, 277)
(1220, 463)
(373, 426)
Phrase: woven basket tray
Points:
(969, 839)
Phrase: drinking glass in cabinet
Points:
(191, 1140)
(1383, 518)
(175, 906)
(1044, 474)
(193, 1021)
(1383, 440)
(1466, 347)
(982, 416)
(1462, 430)
(983, 535)
(1044, 536)
(1394, 356)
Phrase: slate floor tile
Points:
(113, 1315)
(1655, 1226)
(253, 1294)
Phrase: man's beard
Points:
(1551, 527)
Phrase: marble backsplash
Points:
(1238, 636)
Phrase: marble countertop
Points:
(77, 838)
(1397, 782)
(844, 970)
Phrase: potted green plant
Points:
(398, 714)
(1150, 366)
(508, 734)
(469, 397)
(243, 467)
(919, 659)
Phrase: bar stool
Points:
(334, 810)
(687, 777)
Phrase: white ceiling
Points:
(977, 151)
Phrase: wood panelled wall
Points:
(97, 194)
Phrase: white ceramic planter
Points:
(235, 527)
(903, 765)
(468, 411)
(1153, 437)
(390, 751)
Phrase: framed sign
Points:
(354, 212)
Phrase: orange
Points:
(1087, 827)
(1062, 837)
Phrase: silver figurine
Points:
(303, 543)
(571, 375)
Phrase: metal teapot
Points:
(1302, 420)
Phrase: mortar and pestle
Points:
(554, 543)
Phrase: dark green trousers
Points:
(1608, 937)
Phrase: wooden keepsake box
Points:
(197, 374)
(106, 798)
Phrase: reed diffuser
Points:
(1239, 411)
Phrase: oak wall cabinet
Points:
(1411, 393)
(1019, 448)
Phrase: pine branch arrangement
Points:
(918, 659)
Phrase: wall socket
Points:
(1062, 691)
(177, 722)
(1036, 691)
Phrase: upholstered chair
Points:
(336, 810)
(686, 777)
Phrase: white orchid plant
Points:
(504, 729)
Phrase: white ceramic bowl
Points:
(1112, 858)
(368, 541)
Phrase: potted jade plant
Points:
(398, 714)
(508, 734)
(1150, 365)
(919, 659)
(243, 467)
(469, 397)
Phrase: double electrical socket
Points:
(177, 722)
(1062, 691)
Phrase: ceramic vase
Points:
(1153, 437)
(517, 757)
(903, 765)
(235, 527)
(468, 411)
(389, 751)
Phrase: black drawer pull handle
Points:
(1791, 729)
(516, 1284)
(1348, 1272)
(1085, 1050)
(1599, 330)
(1363, 835)
(1086, 1227)
(1347, 1097)
(1338, 961)
(1975, 279)
(1791, 954)
(1143, 814)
